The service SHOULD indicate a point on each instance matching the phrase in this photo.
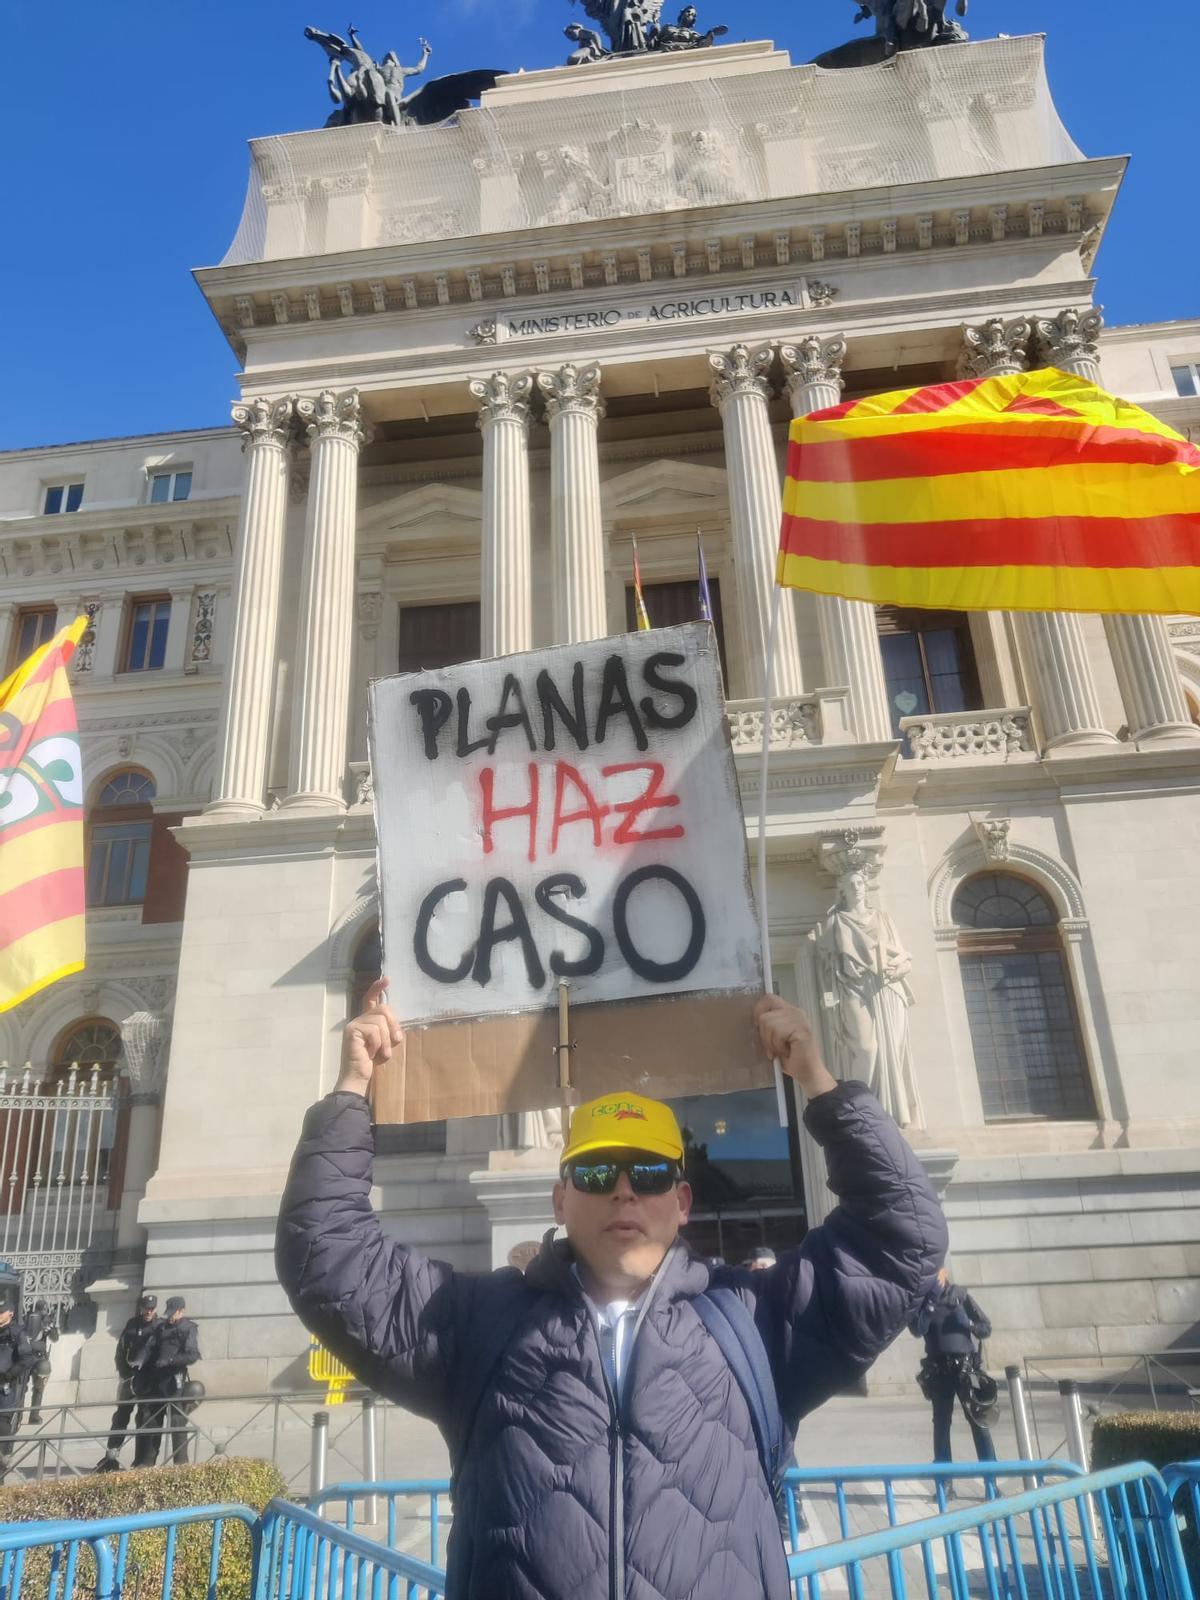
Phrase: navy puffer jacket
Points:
(560, 1495)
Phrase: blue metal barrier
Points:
(1038, 1545)
(345, 1495)
(107, 1543)
(306, 1558)
(921, 1489)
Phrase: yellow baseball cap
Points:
(624, 1122)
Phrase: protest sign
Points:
(570, 813)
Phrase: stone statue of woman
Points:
(863, 973)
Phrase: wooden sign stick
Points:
(563, 1050)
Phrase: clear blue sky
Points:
(131, 169)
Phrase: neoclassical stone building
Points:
(477, 361)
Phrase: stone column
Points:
(8, 617)
(740, 391)
(849, 635)
(179, 627)
(250, 675)
(574, 408)
(507, 609)
(325, 642)
(1151, 691)
(1053, 651)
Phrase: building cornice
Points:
(1066, 206)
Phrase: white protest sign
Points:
(567, 813)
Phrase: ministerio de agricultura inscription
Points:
(529, 323)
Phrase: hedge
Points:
(118, 1494)
(1159, 1437)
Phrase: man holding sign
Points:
(617, 1415)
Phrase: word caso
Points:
(503, 919)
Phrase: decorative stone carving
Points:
(144, 1035)
(85, 650)
(816, 243)
(573, 188)
(950, 735)
(483, 332)
(710, 171)
(265, 422)
(203, 624)
(994, 348)
(1070, 336)
(333, 416)
(362, 784)
(419, 227)
(125, 747)
(794, 723)
(853, 239)
(641, 167)
(345, 294)
(503, 395)
(925, 232)
(992, 833)
(741, 370)
(863, 972)
(369, 613)
(813, 360)
(571, 388)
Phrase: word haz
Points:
(570, 813)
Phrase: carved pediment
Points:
(438, 513)
(665, 490)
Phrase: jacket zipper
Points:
(616, 1527)
(616, 1521)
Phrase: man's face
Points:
(621, 1237)
(148, 1313)
(5, 1318)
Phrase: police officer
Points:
(133, 1348)
(953, 1327)
(172, 1350)
(41, 1329)
(16, 1360)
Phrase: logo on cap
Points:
(631, 1114)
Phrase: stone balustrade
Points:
(819, 718)
(982, 735)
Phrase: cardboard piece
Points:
(571, 812)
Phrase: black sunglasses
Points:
(646, 1174)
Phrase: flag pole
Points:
(764, 930)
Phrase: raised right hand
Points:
(368, 1040)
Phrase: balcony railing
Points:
(979, 735)
(822, 717)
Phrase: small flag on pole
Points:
(639, 599)
(706, 613)
(41, 823)
(1032, 492)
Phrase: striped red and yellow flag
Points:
(639, 599)
(1035, 492)
(41, 823)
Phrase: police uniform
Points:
(42, 1331)
(174, 1347)
(133, 1348)
(16, 1360)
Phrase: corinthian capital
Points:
(813, 360)
(265, 421)
(572, 388)
(502, 397)
(740, 371)
(994, 348)
(1070, 336)
(333, 416)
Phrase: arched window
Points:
(86, 1138)
(121, 824)
(395, 1139)
(1024, 1023)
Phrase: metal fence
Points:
(60, 1560)
(306, 1558)
(57, 1138)
(1038, 1545)
(1166, 1381)
(70, 1439)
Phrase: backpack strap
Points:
(727, 1318)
